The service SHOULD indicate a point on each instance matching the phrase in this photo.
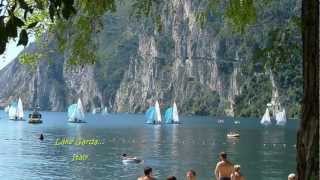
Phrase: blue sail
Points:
(150, 115)
(168, 115)
(72, 111)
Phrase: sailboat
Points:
(20, 112)
(105, 111)
(94, 111)
(171, 115)
(76, 113)
(6, 109)
(168, 116)
(175, 114)
(150, 114)
(13, 111)
(16, 111)
(281, 118)
(158, 113)
(266, 120)
(153, 114)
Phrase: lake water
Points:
(262, 152)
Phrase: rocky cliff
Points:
(198, 67)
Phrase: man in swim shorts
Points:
(224, 168)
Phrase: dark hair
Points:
(223, 155)
(124, 155)
(147, 171)
(171, 178)
(192, 172)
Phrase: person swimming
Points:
(126, 159)
(224, 168)
(147, 174)
(236, 175)
(41, 137)
(191, 175)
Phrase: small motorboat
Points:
(233, 135)
(35, 116)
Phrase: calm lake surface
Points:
(262, 152)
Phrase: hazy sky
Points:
(12, 51)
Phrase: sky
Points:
(12, 51)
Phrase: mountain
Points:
(207, 69)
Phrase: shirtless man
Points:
(224, 168)
(147, 174)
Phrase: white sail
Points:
(158, 113)
(105, 111)
(20, 113)
(175, 115)
(12, 112)
(80, 112)
(94, 111)
(281, 118)
(266, 118)
(76, 112)
(6, 109)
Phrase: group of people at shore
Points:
(224, 170)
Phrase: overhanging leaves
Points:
(32, 25)
(23, 38)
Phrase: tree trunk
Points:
(308, 134)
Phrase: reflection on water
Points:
(262, 152)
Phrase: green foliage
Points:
(114, 56)
(23, 38)
(76, 36)
(241, 13)
(256, 93)
(142, 7)
(15, 14)
(204, 102)
(30, 59)
(201, 18)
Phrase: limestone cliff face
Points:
(178, 63)
(19, 81)
(80, 83)
(174, 60)
(51, 85)
(188, 67)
